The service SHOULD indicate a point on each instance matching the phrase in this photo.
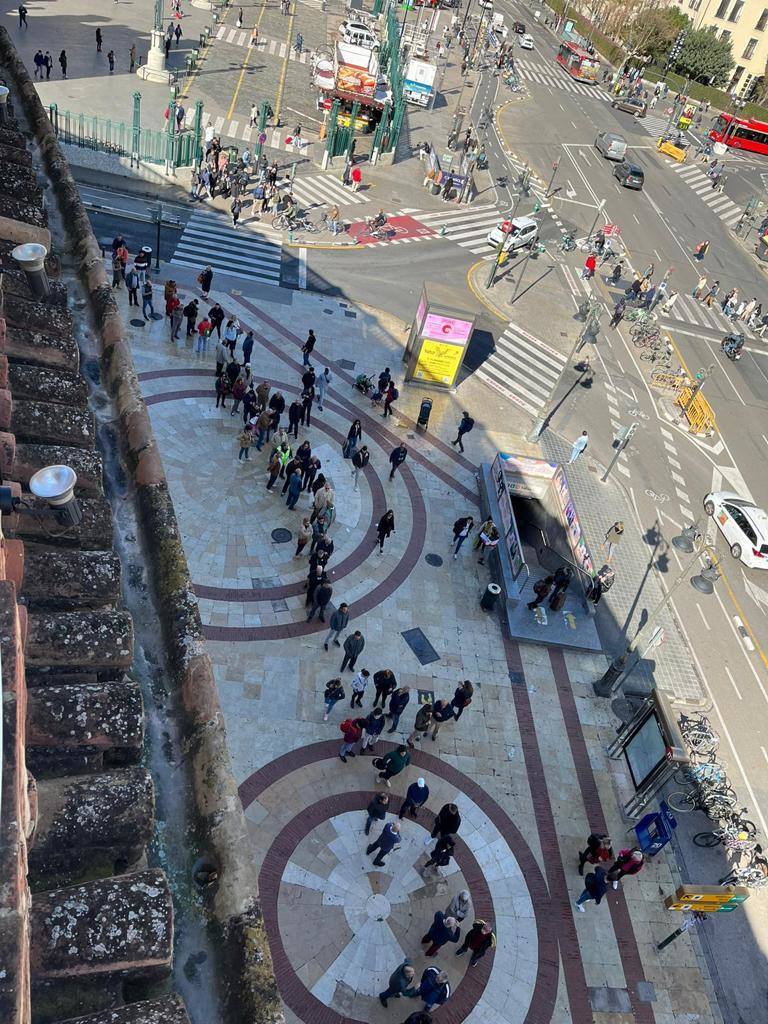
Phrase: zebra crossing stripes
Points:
(242, 130)
(541, 74)
(698, 181)
(523, 369)
(466, 226)
(274, 47)
(693, 312)
(324, 190)
(242, 252)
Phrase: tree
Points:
(705, 57)
(661, 30)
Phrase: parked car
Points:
(630, 105)
(525, 231)
(629, 175)
(612, 145)
(743, 524)
(518, 27)
(357, 33)
(526, 42)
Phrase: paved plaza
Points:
(525, 763)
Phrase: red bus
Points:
(740, 133)
(578, 62)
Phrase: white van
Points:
(357, 33)
(612, 145)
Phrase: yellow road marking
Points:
(244, 68)
(281, 83)
(478, 296)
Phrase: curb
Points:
(479, 296)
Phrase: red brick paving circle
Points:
(469, 991)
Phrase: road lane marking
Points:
(636, 220)
(701, 613)
(733, 682)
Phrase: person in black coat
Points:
(385, 527)
(386, 683)
(307, 398)
(443, 929)
(294, 417)
(442, 853)
(447, 821)
(397, 705)
(377, 810)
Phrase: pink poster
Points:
(444, 328)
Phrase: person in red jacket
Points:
(352, 730)
(629, 862)
(357, 178)
(589, 266)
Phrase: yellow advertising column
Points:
(438, 339)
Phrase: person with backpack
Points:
(392, 395)
(466, 423)
(352, 731)
(360, 460)
(595, 887)
(598, 850)
(479, 939)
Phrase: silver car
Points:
(612, 145)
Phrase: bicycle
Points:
(697, 732)
(643, 335)
(736, 834)
(717, 803)
(655, 353)
(567, 244)
(640, 316)
(754, 874)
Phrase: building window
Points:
(747, 87)
(735, 79)
(736, 10)
(762, 21)
(725, 35)
(749, 49)
(694, 4)
(722, 9)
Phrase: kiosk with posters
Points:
(438, 339)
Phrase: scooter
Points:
(732, 345)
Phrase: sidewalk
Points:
(525, 763)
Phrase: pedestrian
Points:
(595, 887)
(374, 724)
(561, 582)
(392, 395)
(147, 309)
(461, 530)
(385, 528)
(388, 839)
(167, 43)
(273, 469)
(460, 906)
(334, 692)
(628, 862)
(356, 176)
(239, 389)
(39, 61)
(598, 850)
(340, 617)
(111, 60)
(98, 40)
(132, 284)
(308, 347)
(433, 989)
(416, 796)
(204, 279)
(746, 313)
(612, 538)
(359, 461)
(462, 698)
(117, 271)
(333, 220)
(236, 209)
(177, 317)
(447, 822)
(466, 423)
(23, 16)
(48, 64)
(487, 539)
(541, 589)
(421, 725)
(190, 312)
(400, 981)
(254, 41)
(714, 288)
(354, 434)
(132, 57)
(391, 764)
(352, 731)
(396, 458)
(353, 648)
(359, 683)
(222, 389)
(216, 316)
(385, 683)
(221, 358)
(440, 857)
(700, 288)
(701, 251)
(579, 446)
(442, 712)
(479, 939)
(376, 811)
(294, 492)
(618, 312)
(307, 397)
(245, 440)
(589, 267)
(323, 381)
(62, 61)
(442, 930)
(398, 702)
(294, 417)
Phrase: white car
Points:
(526, 42)
(487, 4)
(525, 231)
(743, 524)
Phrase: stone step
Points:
(39, 348)
(12, 155)
(21, 183)
(15, 283)
(45, 385)
(50, 423)
(87, 722)
(93, 640)
(170, 1010)
(96, 530)
(34, 315)
(22, 209)
(122, 924)
(28, 458)
(66, 578)
(87, 823)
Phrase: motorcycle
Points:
(567, 244)
(732, 345)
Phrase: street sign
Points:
(611, 230)
(707, 899)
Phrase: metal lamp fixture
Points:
(31, 259)
(56, 486)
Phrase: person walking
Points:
(376, 811)
(487, 539)
(416, 796)
(356, 176)
(273, 468)
(147, 309)
(391, 764)
(579, 446)
(216, 316)
(612, 539)
(466, 423)
(111, 61)
(205, 279)
(23, 16)
(618, 312)
(239, 389)
(302, 539)
(62, 62)
(442, 930)
(397, 457)
(236, 209)
(340, 617)
(132, 284)
(98, 40)
(447, 822)
(352, 731)
(400, 981)
(294, 492)
(360, 460)
(712, 293)
(628, 862)
(245, 440)
(440, 857)
(334, 692)
(354, 434)
(462, 698)
(560, 583)
(392, 395)
(397, 705)
(421, 725)
(598, 850)
(541, 589)
(459, 907)
(353, 648)
(222, 389)
(294, 417)
(595, 887)
(385, 528)
(442, 712)
(374, 725)
(385, 682)
(359, 683)
(307, 398)
(433, 989)
(308, 347)
(701, 251)
(190, 312)
(479, 939)
(323, 382)
(39, 62)
(461, 530)
(385, 844)
(48, 65)
(589, 267)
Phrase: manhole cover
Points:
(157, 316)
(137, 323)
(435, 560)
(281, 536)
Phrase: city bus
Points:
(741, 133)
(578, 62)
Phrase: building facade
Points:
(745, 24)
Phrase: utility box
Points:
(438, 339)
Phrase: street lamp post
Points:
(555, 166)
(597, 217)
(691, 542)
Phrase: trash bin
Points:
(424, 412)
(490, 597)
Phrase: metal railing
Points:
(147, 145)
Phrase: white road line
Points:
(733, 681)
(765, 753)
(701, 613)
(302, 268)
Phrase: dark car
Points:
(631, 105)
(519, 28)
(629, 175)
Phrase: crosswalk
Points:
(694, 313)
(325, 190)
(654, 124)
(243, 252)
(242, 131)
(523, 369)
(696, 179)
(467, 226)
(265, 45)
(544, 74)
